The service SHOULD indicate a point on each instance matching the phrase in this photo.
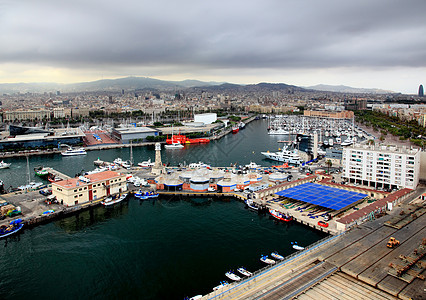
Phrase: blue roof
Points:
(321, 195)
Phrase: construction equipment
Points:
(392, 243)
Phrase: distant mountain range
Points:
(346, 89)
(139, 83)
(113, 85)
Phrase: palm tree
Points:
(329, 164)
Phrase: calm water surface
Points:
(165, 249)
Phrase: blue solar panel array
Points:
(322, 195)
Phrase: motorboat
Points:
(242, 125)
(98, 162)
(96, 170)
(280, 216)
(31, 186)
(73, 152)
(252, 165)
(174, 145)
(277, 256)
(197, 297)
(266, 260)
(285, 155)
(198, 165)
(244, 272)
(235, 129)
(251, 204)
(347, 142)
(111, 200)
(14, 227)
(231, 275)
(146, 164)
(297, 247)
(4, 165)
(151, 195)
(278, 131)
(221, 285)
(41, 171)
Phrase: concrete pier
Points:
(351, 265)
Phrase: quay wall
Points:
(105, 147)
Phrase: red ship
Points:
(182, 139)
(235, 129)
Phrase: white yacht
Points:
(273, 131)
(174, 145)
(347, 142)
(146, 164)
(285, 155)
(72, 152)
(4, 165)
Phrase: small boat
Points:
(252, 165)
(31, 186)
(14, 227)
(221, 285)
(194, 298)
(277, 256)
(41, 171)
(146, 164)
(235, 129)
(73, 152)
(323, 224)
(251, 204)
(174, 145)
(4, 165)
(111, 200)
(280, 216)
(297, 247)
(244, 272)
(231, 275)
(147, 196)
(47, 212)
(98, 162)
(266, 260)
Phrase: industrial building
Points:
(387, 167)
(90, 187)
(32, 137)
(137, 134)
(207, 118)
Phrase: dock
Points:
(353, 265)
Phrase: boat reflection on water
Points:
(91, 217)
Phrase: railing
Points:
(252, 279)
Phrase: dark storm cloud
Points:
(214, 34)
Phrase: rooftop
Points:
(96, 177)
(382, 148)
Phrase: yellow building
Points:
(89, 187)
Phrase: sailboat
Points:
(174, 144)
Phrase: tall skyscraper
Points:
(421, 93)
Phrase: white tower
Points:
(158, 165)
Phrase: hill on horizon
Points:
(347, 89)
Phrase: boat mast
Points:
(131, 153)
(28, 170)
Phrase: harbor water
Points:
(165, 249)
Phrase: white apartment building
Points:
(382, 166)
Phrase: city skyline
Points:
(304, 43)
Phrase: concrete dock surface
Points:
(352, 265)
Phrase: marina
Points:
(290, 212)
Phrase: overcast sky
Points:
(363, 43)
